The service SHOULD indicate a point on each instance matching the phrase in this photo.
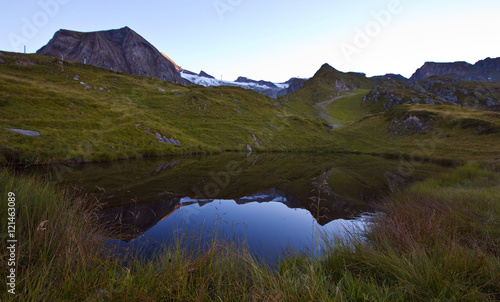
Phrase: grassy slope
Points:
(348, 108)
(475, 95)
(108, 120)
(452, 133)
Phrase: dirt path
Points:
(321, 108)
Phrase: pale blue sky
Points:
(274, 40)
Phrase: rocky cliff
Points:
(487, 70)
(119, 50)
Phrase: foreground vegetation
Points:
(438, 240)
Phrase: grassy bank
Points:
(437, 240)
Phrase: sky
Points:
(274, 40)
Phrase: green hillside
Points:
(85, 113)
(435, 90)
(439, 132)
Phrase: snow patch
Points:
(204, 81)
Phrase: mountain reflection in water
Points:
(270, 202)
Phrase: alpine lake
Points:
(272, 204)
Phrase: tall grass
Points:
(435, 241)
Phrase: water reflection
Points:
(270, 202)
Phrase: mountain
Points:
(487, 70)
(119, 50)
(328, 82)
(330, 96)
(206, 75)
(273, 90)
(177, 67)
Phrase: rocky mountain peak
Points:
(327, 67)
(119, 50)
(206, 75)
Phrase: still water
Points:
(270, 203)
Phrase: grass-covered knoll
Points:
(434, 90)
(444, 132)
(85, 113)
(435, 241)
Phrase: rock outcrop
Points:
(294, 84)
(119, 50)
(487, 70)
(206, 75)
(436, 90)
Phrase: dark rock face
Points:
(295, 85)
(206, 75)
(118, 50)
(487, 70)
(262, 83)
(452, 70)
(188, 72)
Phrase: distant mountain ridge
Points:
(119, 50)
(487, 70)
(125, 50)
(273, 90)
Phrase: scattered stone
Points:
(1, 54)
(25, 132)
(255, 139)
(410, 126)
(163, 139)
(2, 61)
(161, 90)
(76, 78)
(24, 63)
